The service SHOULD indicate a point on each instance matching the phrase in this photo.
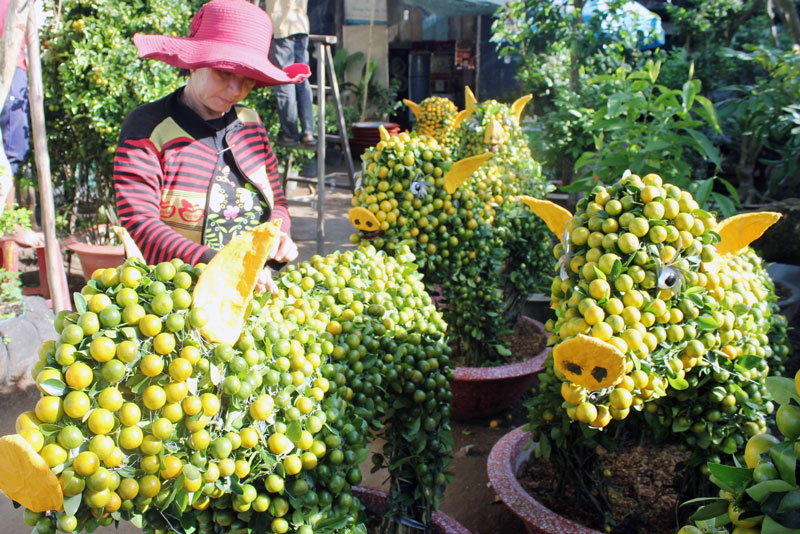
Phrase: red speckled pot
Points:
(504, 460)
(376, 500)
(482, 391)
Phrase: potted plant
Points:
(97, 245)
(473, 245)
(646, 355)
(239, 413)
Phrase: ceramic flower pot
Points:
(505, 459)
(377, 500)
(92, 256)
(481, 391)
(366, 134)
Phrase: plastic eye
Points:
(419, 188)
(669, 278)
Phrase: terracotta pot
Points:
(504, 461)
(377, 500)
(94, 256)
(366, 134)
(482, 391)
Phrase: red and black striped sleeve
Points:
(138, 177)
(280, 208)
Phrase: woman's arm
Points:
(138, 176)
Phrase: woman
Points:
(194, 168)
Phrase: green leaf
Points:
(734, 478)
(706, 323)
(128, 332)
(80, 303)
(726, 205)
(294, 431)
(762, 490)
(71, 504)
(600, 274)
(502, 350)
(748, 361)
(790, 501)
(708, 149)
(785, 461)
(53, 386)
(782, 389)
(703, 191)
(770, 526)
(710, 511)
(678, 383)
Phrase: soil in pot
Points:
(526, 342)
(641, 484)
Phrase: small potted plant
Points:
(97, 245)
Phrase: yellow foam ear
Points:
(469, 100)
(519, 105)
(384, 134)
(740, 230)
(224, 287)
(553, 215)
(25, 477)
(463, 169)
(460, 116)
(589, 362)
(414, 107)
(363, 219)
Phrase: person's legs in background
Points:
(281, 53)
(15, 121)
(303, 92)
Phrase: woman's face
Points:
(212, 92)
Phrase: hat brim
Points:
(189, 53)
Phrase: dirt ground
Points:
(469, 498)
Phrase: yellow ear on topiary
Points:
(226, 284)
(25, 476)
(740, 230)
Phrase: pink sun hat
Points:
(229, 35)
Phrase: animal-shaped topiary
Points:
(437, 118)
(479, 249)
(175, 400)
(659, 312)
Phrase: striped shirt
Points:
(163, 168)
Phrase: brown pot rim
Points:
(511, 370)
(75, 244)
(442, 521)
(505, 459)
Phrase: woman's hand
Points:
(285, 250)
(265, 282)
